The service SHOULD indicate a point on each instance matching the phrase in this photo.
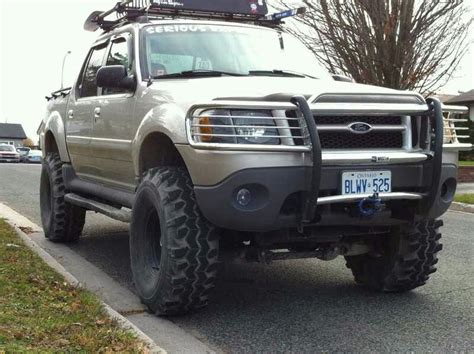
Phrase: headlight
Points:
(236, 127)
(255, 127)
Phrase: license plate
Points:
(366, 182)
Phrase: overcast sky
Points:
(35, 35)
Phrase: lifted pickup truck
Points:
(210, 128)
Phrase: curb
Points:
(50, 261)
(457, 206)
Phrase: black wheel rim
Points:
(150, 251)
(46, 198)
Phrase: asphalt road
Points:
(298, 306)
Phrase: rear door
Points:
(113, 126)
(80, 112)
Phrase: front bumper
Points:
(9, 159)
(276, 195)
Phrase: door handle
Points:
(70, 114)
(96, 113)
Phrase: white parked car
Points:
(8, 153)
(34, 156)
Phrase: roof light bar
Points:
(285, 14)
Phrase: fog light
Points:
(243, 197)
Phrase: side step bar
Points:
(90, 204)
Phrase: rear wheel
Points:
(173, 249)
(62, 222)
(405, 261)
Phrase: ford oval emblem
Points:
(360, 127)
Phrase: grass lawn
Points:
(465, 198)
(39, 311)
(466, 163)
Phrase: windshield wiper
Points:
(197, 73)
(276, 72)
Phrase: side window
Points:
(118, 55)
(89, 87)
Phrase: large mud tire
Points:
(62, 222)
(173, 248)
(406, 260)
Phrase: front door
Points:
(113, 125)
(80, 113)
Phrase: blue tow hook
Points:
(368, 207)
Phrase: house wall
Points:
(15, 142)
(471, 112)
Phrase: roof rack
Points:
(246, 11)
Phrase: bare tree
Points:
(402, 44)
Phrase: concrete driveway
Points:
(297, 306)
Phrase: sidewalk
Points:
(465, 188)
(118, 300)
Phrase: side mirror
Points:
(115, 77)
(342, 78)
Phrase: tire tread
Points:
(192, 245)
(67, 219)
(410, 266)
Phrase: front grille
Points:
(335, 133)
(372, 140)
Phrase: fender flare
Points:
(55, 124)
(167, 119)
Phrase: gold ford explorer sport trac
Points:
(216, 135)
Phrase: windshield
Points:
(172, 49)
(6, 148)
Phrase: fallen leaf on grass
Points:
(12, 245)
(76, 305)
(62, 342)
(26, 229)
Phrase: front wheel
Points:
(173, 248)
(406, 259)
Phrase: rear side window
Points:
(89, 87)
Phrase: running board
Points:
(356, 197)
(107, 210)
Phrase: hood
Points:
(202, 90)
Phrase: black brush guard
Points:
(433, 144)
